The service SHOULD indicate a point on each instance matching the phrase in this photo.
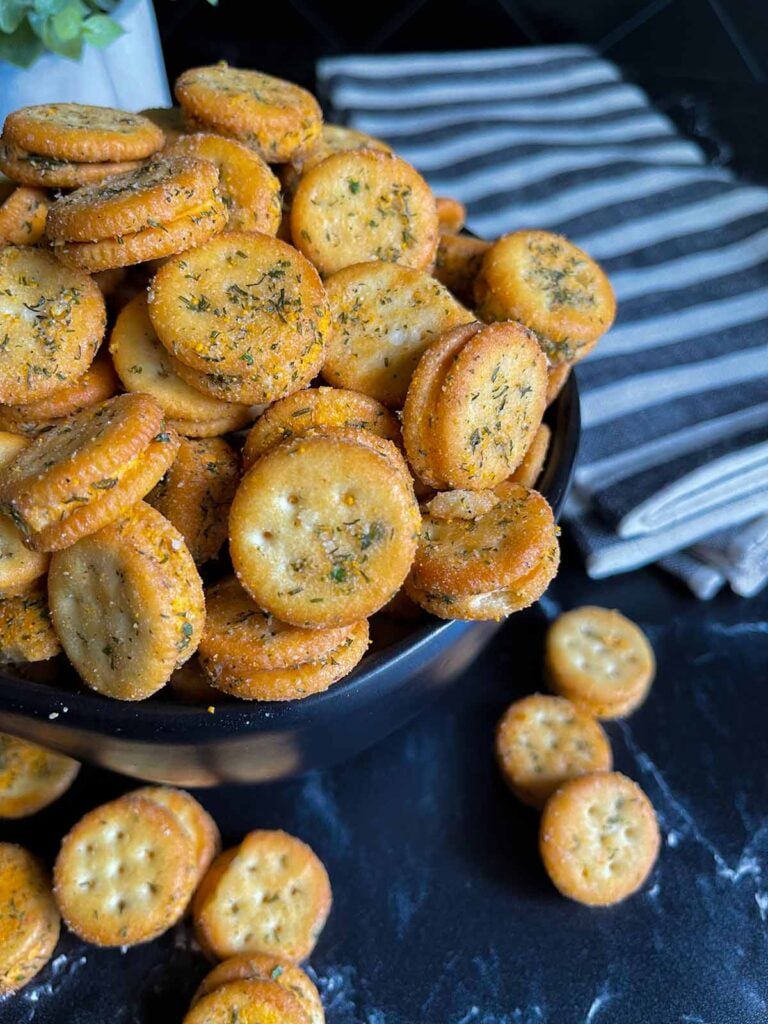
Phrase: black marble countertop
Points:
(442, 912)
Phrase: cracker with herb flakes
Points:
(364, 205)
(19, 567)
(599, 838)
(31, 777)
(125, 873)
(52, 321)
(458, 262)
(202, 831)
(554, 288)
(542, 741)
(26, 632)
(323, 528)
(451, 215)
(383, 318)
(246, 311)
(490, 404)
(86, 471)
(127, 604)
(488, 566)
(22, 214)
(275, 118)
(529, 470)
(557, 376)
(196, 492)
(39, 171)
(155, 194)
(318, 408)
(248, 188)
(82, 133)
(335, 138)
(264, 967)
(97, 384)
(254, 1001)
(29, 920)
(599, 659)
(271, 894)
(143, 365)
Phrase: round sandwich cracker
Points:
(19, 567)
(22, 215)
(78, 132)
(451, 215)
(271, 894)
(31, 777)
(263, 967)
(458, 262)
(38, 171)
(364, 205)
(26, 633)
(323, 528)
(29, 920)
(127, 603)
(52, 322)
(383, 317)
(202, 831)
(249, 1001)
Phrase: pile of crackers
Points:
(255, 387)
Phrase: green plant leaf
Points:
(46, 8)
(68, 23)
(11, 14)
(21, 47)
(70, 48)
(101, 30)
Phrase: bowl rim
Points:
(171, 721)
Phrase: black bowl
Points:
(164, 741)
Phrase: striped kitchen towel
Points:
(675, 397)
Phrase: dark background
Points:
(705, 62)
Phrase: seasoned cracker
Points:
(461, 504)
(249, 1001)
(196, 492)
(127, 603)
(276, 118)
(40, 171)
(19, 567)
(270, 894)
(557, 377)
(323, 528)
(543, 741)
(31, 777)
(458, 262)
(451, 215)
(314, 408)
(364, 205)
(87, 134)
(599, 838)
(22, 216)
(263, 967)
(26, 633)
(243, 305)
(248, 188)
(52, 322)
(600, 659)
(29, 920)
(200, 828)
(383, 317)
(555, 289)
(125, 873)
(334, 138)
(529, 470)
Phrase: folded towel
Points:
(675, 397)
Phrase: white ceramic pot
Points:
(129, 73)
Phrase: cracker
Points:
(250, 1001)
(383, 317)
(248, 188)
(451, 215)
(36, 170)
(543, 741)
(529, 470)
(196, 492)
(490, 405)
(19, 567)
(29, 920)
(548, 284)
(52, 322)
(75, 131)
(270, 894)
(458, 262)
(200, 828)
(96, 385)
(323, 529)
(187, 231)
(364, 205)
(31, 777)
(26, 633)
(243, 305)
(263, 967)
(600, 659)
(334, 138)
(83, 473)
(125, 873)
(22, 216)
(599, 838)
(556, 380)
(127, 603)
(276, 118)
(143, 365)
(316, 408)
(156, 193)
(461, 504)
